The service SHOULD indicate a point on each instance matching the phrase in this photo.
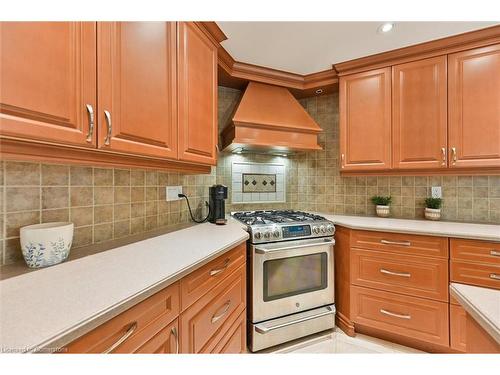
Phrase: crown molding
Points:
(214, 30)
(236, 74)
(443, 46)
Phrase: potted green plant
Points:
(433, 208)
(382, 205)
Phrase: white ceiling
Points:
(309, 47)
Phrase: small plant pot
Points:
(432, 213)
(383, 211)
(46, 244)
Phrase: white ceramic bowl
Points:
(46, 244)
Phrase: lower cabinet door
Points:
(478, 340)
(165, 342)
(204, 324)
(458, 328)
(417, 318)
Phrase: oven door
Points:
(292, 276)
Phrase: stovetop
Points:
(275, 217)
(283, 225)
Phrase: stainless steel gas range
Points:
(291, 288)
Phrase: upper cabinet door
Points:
(419, 108)
(365, 120)
(474, 107)
(48, 81)
(197, 90)
(136, 86)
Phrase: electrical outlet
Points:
(436, 192)
(172, 193)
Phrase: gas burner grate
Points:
(275, 216)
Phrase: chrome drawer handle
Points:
(495, 253)
(122, 339)
(173, 332)
(399, 243)
(494, 276)
(261, 250)
(400, 316)
(215, 318)
(108, 122)
(90, 110)
(402, 274)
(219, 270)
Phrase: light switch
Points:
(436, 192)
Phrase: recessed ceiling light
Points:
(386, 27)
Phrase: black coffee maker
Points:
(217, 196)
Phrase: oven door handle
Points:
(261, 250)
(263, 329)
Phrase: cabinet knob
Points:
(443, 155)
(342, 160)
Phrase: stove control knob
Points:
(267, 235)
(316, 230)
(257, 235)
(329, 228)
(322, 229)
(276, 233)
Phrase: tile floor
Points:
(338, 342)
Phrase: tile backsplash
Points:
(106, 203)
(103, 203)
(258, 182)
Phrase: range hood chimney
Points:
(270, 120)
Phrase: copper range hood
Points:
(269, 119)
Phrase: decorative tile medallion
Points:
(259, 183)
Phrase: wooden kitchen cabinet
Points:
(48, 81)
(137, 88)
(474, 107)
(419, 114)
(132, 329)
(206, 322)
(458, 327)
(365, 120)
(478, 340)
(127, 94)
(197, 94)
(209, 320)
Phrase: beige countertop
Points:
(483, 304)
(49, 308)
(487, 232)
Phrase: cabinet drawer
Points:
(412, 317)
(234, 340)
(206, 318)
(415, 276)
(164, 342)
(199, 282)
(458, 328)
(140, 323)
(409, 244)
(475, 274)
(475, 251)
